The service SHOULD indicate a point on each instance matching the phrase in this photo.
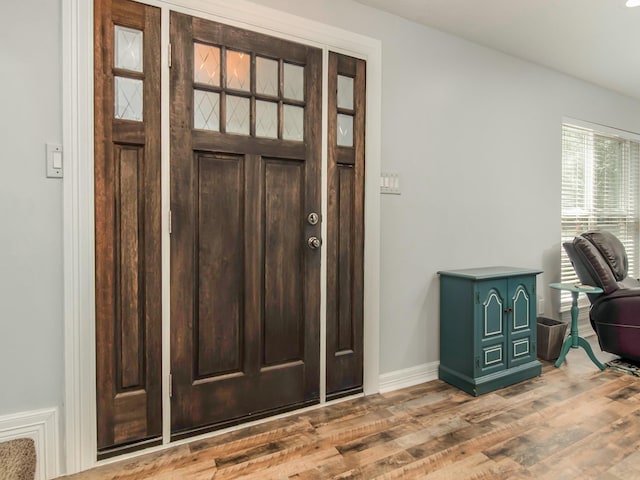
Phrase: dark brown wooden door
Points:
(127, 225)
(245, 173)
(345, 228)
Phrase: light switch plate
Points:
(390, 183)
(54, 160)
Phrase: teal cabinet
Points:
(487, 327)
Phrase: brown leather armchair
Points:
(600, 259)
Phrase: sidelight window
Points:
(128, 67)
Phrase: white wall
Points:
(476, 138)
(475, 135)
(31, 327)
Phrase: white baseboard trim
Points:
(408, 377)
(42, 427)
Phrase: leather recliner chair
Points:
(600, 259)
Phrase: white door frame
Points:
(78, 228)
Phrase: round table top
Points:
(576, 287)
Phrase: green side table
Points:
(574, 340)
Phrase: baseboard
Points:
(42, 427)
(408, 377)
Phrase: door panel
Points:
(345, 229)
(219, 243)
(249, 345)
(284, 262)
(127, 225)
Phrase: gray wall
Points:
(474, 134)
(476, 138)
(31, 327)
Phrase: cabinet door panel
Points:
(522, 312)
(491, 328)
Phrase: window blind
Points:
(600, 182)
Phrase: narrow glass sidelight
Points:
(206, 64)
(345, 130)
(206, 110)
(238, 72)
(293, 82)
(266, 76)
(128, 99)
(266, 119)
(345, 92)
(128, 48)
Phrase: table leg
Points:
(584, 344)
(563, 353)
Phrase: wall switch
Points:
(540, 305)
(390, 183)
(54, 160)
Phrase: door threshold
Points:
(215, 433)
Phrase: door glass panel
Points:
(293, 123)
(128, 48)
(293, 82)
(238, 117)
(266, 119)
(238, 70)
(128, 99)
(345, 130)
(206, 64)
(266, 76)
(345, 92)
(206, 110)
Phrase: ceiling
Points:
(595, 40)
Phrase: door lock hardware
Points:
(314, 243)
(313, 218)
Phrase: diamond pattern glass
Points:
(293, 82)
(206, 64)
(345, 130)
(206, 110)
(266, 76)
(238, 115)
(266, 119)
(293, 123)
(128, 48)
(345, 92)
(238, 70)
(128, 99)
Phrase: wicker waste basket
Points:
(550, 337)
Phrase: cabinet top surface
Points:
(489, 272)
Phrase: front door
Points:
(245, 270)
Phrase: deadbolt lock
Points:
(313, 218)
(314, 243)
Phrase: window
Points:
(600, 181)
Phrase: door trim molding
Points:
(78, 219)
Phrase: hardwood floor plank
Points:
(573, 423)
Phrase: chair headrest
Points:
(611, 249)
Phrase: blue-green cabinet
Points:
(487, 327)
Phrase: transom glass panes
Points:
(293, 82)
(206, 110)
(206, 64)
(128, 48)
(266, 119)
(238, 70)
(293, 123)
(238, 115)
(345, 92)
(128, 99)
(345, 130)
(266, 76)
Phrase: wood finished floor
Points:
(574, 422)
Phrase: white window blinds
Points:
(600, 181)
